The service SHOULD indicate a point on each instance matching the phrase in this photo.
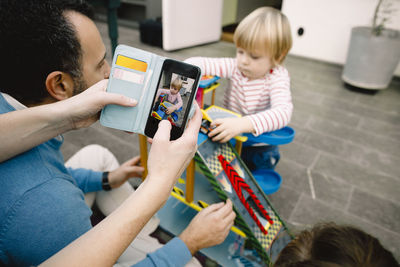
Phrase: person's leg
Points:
(98, 158)
(260, 157)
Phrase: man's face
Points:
(94, 65)
(252, 64)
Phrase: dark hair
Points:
(333, 245)
(37, 39)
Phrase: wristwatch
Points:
(104, 182)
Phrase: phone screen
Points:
(173, 98)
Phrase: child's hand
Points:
(127, 170)
(226, 129)
(170, 110)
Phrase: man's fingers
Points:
(229, 227)
(194, 124)
(225, 210)
(106, 98)
(214, 207)
(230, 217)
(117, 99)
(163, 132)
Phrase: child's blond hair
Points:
(177, 84)
(267, 30)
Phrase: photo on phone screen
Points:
(173, 98)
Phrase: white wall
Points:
(327, 26)
(229, 11)
(190, 22)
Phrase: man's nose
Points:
(107, 70)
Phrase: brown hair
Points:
(265, 29)
(333, 245)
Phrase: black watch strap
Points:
(104, 182)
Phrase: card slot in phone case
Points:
(142, 104)
(119, 115)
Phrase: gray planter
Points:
(371, 60)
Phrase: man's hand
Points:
(83, 109)
(127, 170)
(210, 227)
(226, 129)
(168, 159)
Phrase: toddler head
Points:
(332, 245)
(176, 86)
(264, 35)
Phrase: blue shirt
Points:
(42, 207)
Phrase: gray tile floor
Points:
(344, 164)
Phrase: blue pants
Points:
(260, 157)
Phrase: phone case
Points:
(136, 77)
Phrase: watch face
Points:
(174, 97)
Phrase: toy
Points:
(160, 110)
(207, 84)
(264, 173)
(222, 174)
(207, 81)
(239, 185)
(259, 239)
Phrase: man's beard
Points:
(79, 85)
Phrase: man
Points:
(54, 51)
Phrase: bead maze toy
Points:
(230, 178)
(218, 173)
(207, 84)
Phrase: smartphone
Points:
(173, 99)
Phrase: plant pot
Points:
(371, 60)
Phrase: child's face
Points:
(173, 90)
(253, 65)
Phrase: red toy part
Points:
(171, 120)
(238, 183)
(200, 97)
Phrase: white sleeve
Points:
(222, 67)
(280, 113)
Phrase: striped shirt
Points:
(267, 102)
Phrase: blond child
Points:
(173, 95)
(259, 87)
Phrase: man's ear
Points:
(59, 85)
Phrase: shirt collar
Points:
(13, 102)
(19, 106)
